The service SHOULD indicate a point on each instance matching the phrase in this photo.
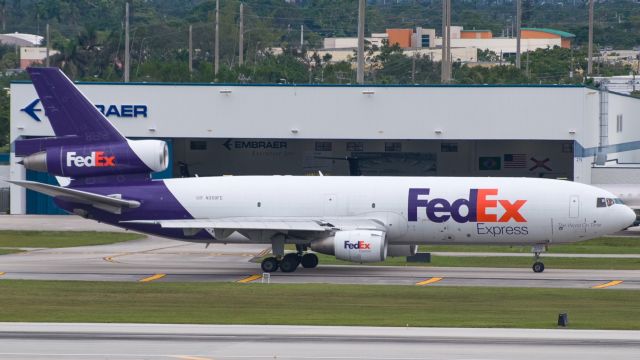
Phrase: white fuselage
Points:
(439, 210)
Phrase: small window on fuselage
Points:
(610, 201)
(602, 202)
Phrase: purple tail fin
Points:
(86, 145)
(68, 110)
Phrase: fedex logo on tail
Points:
(482, 206)
(95, 159)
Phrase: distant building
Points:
(30, 50)
(420, 39)
(19, 39)
(34, 55)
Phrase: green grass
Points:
(604, 245)
(58, 239)
(315, 304)
(9, 251)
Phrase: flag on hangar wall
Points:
(515, 161)
(489, 163)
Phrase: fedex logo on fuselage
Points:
(359, 245)
(95, 159)
(481, 206)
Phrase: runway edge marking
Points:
(152, 278)
(429, 281)
(609, 284)
(249, 279)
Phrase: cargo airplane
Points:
(358, 219)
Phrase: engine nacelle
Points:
(100, 159)
(354, 245)
(402, 250)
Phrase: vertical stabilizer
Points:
(69, 111)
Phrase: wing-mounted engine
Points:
(360, 246)
(100, 159)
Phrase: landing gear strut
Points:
(538, 266)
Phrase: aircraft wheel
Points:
(269, 264)
(289, 263)
(538, 267)
(309, 261)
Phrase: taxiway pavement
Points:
(48, 341)
(156, 259)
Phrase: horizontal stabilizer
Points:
(112, 204)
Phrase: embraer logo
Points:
(121, 111)
(96, 159)
(31, 109)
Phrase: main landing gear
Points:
(538, 266)
(291, 261)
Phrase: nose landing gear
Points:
(538, 266)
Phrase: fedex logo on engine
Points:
(95, 159)
(482, 206)
(359, 245)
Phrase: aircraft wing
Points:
(113, 203)
(223, 227)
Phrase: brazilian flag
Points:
(489, 162)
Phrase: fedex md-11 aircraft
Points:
(358, 219)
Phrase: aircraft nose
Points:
(629, 216)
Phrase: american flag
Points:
(515, 161)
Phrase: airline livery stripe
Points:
(609, 284)
(429, 281)
(152, 278)
(249, 279)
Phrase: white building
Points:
(555, 131)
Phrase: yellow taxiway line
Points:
(187, 357)
(606, 285)
(429, 281)
(249, 279)
(153, 277)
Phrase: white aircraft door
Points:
(574, 206)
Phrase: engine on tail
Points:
(101, 159)
(360, 246)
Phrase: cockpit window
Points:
(606, 202)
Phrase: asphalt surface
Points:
(156, 259)
(207, 342)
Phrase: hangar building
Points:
(566, 132)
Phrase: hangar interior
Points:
(215, 157)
